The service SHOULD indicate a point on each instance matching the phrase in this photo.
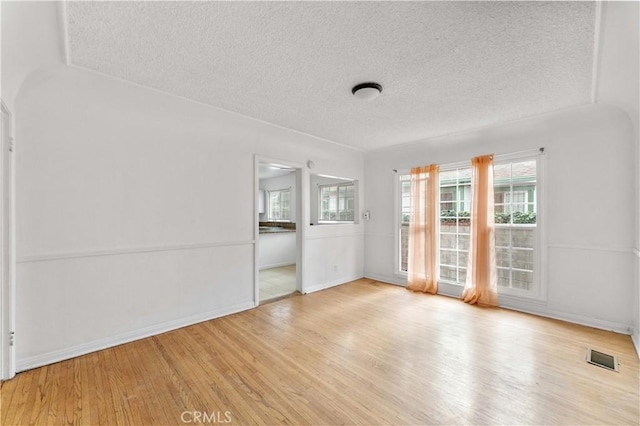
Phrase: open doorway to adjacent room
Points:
(279, 217)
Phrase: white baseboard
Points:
(85, 348)
(635, 338)
(387, 279)
(330, 284)
(534, 307)
(543, 311)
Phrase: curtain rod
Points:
(540, 151)
(526, 151)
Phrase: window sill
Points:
(336, 222)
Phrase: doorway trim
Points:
(7, 246)
(302, 209)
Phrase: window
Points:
(405, 205)
(516, 201)
(337, 202)
(280, 205)
(516, 206)
(516, 223)
(455, 207)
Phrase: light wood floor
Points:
(360, 353)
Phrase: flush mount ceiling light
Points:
(366, 91)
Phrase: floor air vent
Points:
(603, 360)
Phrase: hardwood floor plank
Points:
(7, 390)
(74, 402)
(37, 412)
(148, 379)
(274, 373)
(300, 370)
(346, 371)
(245, 377)
(93, 397)
(107, 409)
(129, 388)
(21, 404)
(52, 391)
(235, 373)
(360, 353)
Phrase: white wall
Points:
(30, 41)
(136, 213)
(276, 249)
(331, 259)
(618, 85)
(589, 207)
(276, 183)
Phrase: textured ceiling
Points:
(445, 66)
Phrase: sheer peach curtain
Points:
(481, 283)
(423, 239)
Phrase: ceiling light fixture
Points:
(366, 91)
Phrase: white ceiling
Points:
(444, 66)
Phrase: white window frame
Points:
(448, 168)
(517, 203)
(399, 222)
(338, 186)
(397, 187)
(271, 219)
(538, 291)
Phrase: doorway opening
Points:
(279, 219)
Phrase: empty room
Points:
(230, 212)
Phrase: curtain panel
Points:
(481, 283)
(423, 230)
